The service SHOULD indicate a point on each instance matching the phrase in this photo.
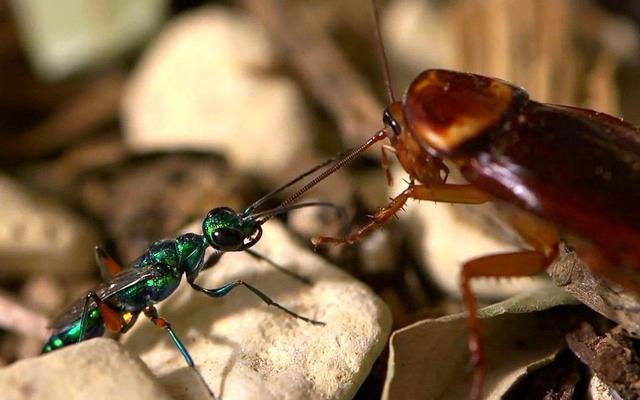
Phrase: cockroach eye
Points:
(388, 120)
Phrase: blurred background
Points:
(120, 122)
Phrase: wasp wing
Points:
(104, 290)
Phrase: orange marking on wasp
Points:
(110, 317)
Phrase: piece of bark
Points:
(560, 380)
(612, 358)
(609, 300)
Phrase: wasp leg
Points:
(152, 313)
(108, 266)
(282, 269)
(449, 193)
(110, 317)
(224, 290)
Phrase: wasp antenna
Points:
(346, 159)
(264, 215)
(338, 161)
(249, 210)
(382, 53)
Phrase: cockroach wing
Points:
(576, 168)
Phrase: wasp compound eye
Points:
(389, 120)
(228, 239)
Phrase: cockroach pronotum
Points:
(562, 174)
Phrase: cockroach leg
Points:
(539, 235)
(386, 165)
(449, 193)
(524, 263)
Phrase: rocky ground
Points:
(124, 125)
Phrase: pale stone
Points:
(98, 369)
(599, 390)
(448, 243)
(64, 36)
(206, 85)
(37, 235)
(247, 350)
(417, 36)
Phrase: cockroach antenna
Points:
(344, 159)
(382, 53)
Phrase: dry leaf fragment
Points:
(430, 360)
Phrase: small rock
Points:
(39, 236)
(206, 85)
(448, 243)
(379, 251)
(403, 22)
(43, 294)
(248, 350)
(65, 36)
(599, 390)
(96, 369)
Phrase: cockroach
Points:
(562, 173)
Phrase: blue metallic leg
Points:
(224, 290)
(108, 268)
(84, 319)
(284, 270)
(111, 318)
(152, 313)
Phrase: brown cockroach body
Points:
(565, 174)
